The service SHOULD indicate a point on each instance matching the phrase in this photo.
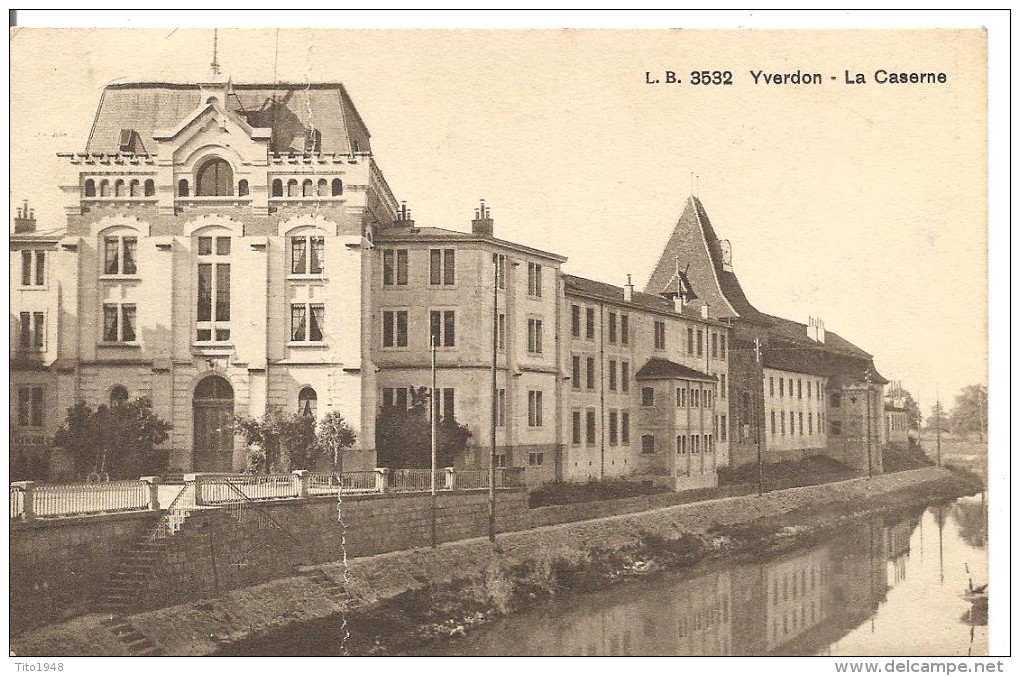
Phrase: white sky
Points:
(865, 206)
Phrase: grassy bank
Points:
(406, 621)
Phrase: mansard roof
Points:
(657, 368)
(694, 245)
(291, 110)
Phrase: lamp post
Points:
(867, 414)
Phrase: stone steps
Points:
(136, 643)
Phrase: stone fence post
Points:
(449, 479)
(153, 483)
(382, 480)
(196, 481)
(27, 494)
(301, 478)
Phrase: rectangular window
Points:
(624, 329)
(695, 443)
(809, 389)
(395, 328)
(625, 376)
(800, 423)
(648, 443)
(535, 336)
(660, 335)
(722, 346)
(575, 321)
(699, 343)
(695, 397)
(534, 408)
(575, 374)
(781, 381)
(501, 331)
(32, 331)
(723, 431)
(306, 253)
(772, 386)
(722, 385)
(119, 323)
(223, 246)
(800, 391)
(213, 296)
(589, 428)
(681, 444)
(33, 268)
(791, 388)
(535, 280)
(394, 267)
(810, 423)
(536, 459)
(589, 323)
(223, 292)
(612, 375)
(441, 267)
(30, 406)
(306, 322)
(680, 399)
(576, 428)
(624, 427)
(613, 427)
(715, 346)
(204, 246)
(119, 255)
(773, 418)
(648, 396)
(442, 324)
(690, 341)
(612, 327)
(501, 408)
(500, 271)
(590, 372)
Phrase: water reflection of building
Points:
(897, 548)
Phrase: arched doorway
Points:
(213, 412)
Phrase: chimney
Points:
(678, 303)
(704, 311)
(821, 331)
(816, 329)
(404, 219)
(482, 223)
(25, 220)
(628, 291)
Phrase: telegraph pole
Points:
(938, 428)
(495, 402)
(867, 414)
(757, 423)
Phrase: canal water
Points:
(891, 586)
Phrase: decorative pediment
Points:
(223, 118)
(119, 221)
(308, 220)
(214, 220)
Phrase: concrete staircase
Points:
(335, 590)
(124, 587)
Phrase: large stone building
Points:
(798, 389)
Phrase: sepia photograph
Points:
(504, 340)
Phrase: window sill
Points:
(305, 343)
(309, 277)
(213, 347)
(105, 277)
(33, 287)
(121, 343)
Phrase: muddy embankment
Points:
(392, 603)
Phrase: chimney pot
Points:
(704, 311)
(482, 223)
(628, 290)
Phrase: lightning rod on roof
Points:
(215, 63)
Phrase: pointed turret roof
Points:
(694, 244)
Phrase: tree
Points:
(913, 411)
(118, 440)
(404, 437)
(335, 434)
(970, 414)
(938, 418)
(278, 442)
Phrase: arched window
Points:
(136, 188)
(90, 188)
(307, 402)
(242, 188)
(323, 188)
(150, 187)
(277, 188)
(118, 188)
(215, 177)
(118, 396)
(306, 188)
(104, 188)
(338, 187)
(292, 188)
(182, 187)
(214, 387)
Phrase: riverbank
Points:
(395, 601)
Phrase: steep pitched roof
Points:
(290, 110)
(657, 368)
(694, 244)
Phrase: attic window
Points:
(127, 140)
(215, 177)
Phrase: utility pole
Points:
(433, 403)
(757, 423)
(495, 402)
(938, 428)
